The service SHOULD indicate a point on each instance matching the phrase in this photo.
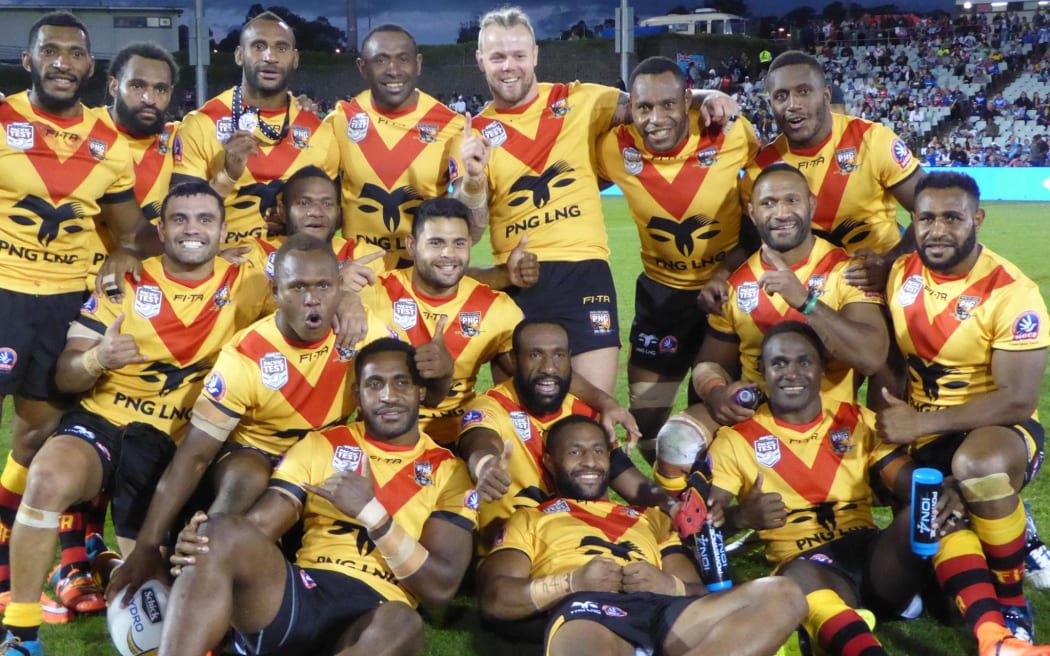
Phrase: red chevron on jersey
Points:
(929, 337)
(64, 177)
(534, 153)
(346, 253)
(417, 334)
(677, 195)
(536, 441)
(813, 483)
(402, 486)
(311, 402)
(147, 169)
(389, 163)
(613, 526)
(765, 315)
(184, 340)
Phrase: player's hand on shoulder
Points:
(109, 283)
(350, 321)
(599, 574)
(714, 295)
(643, 576)
(868, 271)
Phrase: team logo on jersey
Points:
(471, 417)
(840, 441)
(20, 135)
(347, 458)
(357, 127)
(816, 283)
(747, 296)
(97, 147)
(269, 264)
(847, 160)
(300, 136)
(910, 290)
(163, 139)
(405, 313)
(767, 450)
(224, 128)
(613, 611)
(965, 305)
(274, 370)
(601, 322)
(471, 499)
(470, 324)
(669, 344)
(148, 299)
(345, 353)
(1026, 327)
(707, 157)
(8, 358)
(632, 160)
(423, 471)
(222, 297)
(558, 506)
(428, 132)
(495, 133)
(560, 108)
(522, 426)
(90, 305)
(901, 153)
(215, 386)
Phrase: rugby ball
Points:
(135, 629)
(681, 440)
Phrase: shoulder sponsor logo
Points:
(224, 128)
(767, 450)
(910, 290)
(20, 135)
(357, 127)
(901, 153)
(846, 158)
(148, 299)
(471, 417)
(8, 359)
(1026, 327)
(747, 296)
(423, 472)
(347, 458)
(558, 506)
(522, 425)
(274, 370)
(495, 133)
(176, 149)
(300, 136)
(632, 160)
(405, 313)
(215, 386)
(964, 306)
(470, 324)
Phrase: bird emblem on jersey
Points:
(389, 203)
(684, 232)
(540, 185)
(173, 375)
(595, 546)
(930, 375)
(838, 234)
(51, 218)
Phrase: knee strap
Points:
(987, 488)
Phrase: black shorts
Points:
(32, 335)
(667, 328)
(643, 619)
(318, 606)
(578, 295)
(133, 459)
(229, 447)
(939, 453)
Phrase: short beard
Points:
(567, 487)
(52, 103)
(961, 253)
(133, 124)
(538, 405)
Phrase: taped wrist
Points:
(373, 514)
(404, 555)
(707, 375)
(89, 360)
(476, 472)
(549, 590)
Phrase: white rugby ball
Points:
(681, 440)
(135, 629)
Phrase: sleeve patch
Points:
(901, 153)
(1026, 327)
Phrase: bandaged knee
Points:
(987, 488)
(681, 440)
(648, 395)
(36, 518)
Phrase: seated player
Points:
(800, 468)
(614, 579)
(389, 519)
(139, 364)
(504, 429)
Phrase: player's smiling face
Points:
(388, 397)
(441, 254)
(312, 207)
(660, 111)
(267, 56)
(141, 95)
(306, 289)
(192, 231)
(507, 57)
(391, 65)
(578, 460)
(946, 222)
(543, 370)
(782, 208)
(801, 104)
(793, 370)
(60, 65)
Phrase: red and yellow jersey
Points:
(57, 172)
(851, 174)
(391, 162)
(561, 535)
(947, 326)
(199, 152)
(481, 321)
(153, 159)
(500, 410)
(264, 250)
(686, 203)
(820, 470)
(179, 327)
(414, 483)
(541, 172)
(750, 311)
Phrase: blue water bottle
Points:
(925, 492)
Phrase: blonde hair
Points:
(506, 17)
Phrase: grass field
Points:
(1016, 230)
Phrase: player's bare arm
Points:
(85, 359)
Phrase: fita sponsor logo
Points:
(273, 367)
(1026, 327)
(428, 132)
(846, 158)
(767, 450)
(910, 290)
(470, 324)
(747, 296)
(300, 136)
(347, 458)
(148, 299)
(964, 306)
(632, 160)
(601, 322)
(215, 386)
(8, 359)
(495, 133)
(357, 127)
(405, 313)
(423, 472)
(20, 135)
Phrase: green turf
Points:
(1015, 230)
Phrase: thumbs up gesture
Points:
(117, 350)
(523, 267)
(761, 510)
(474, 151)
(898, 422)
(433, 358)
(782, 280)
(493, 477)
